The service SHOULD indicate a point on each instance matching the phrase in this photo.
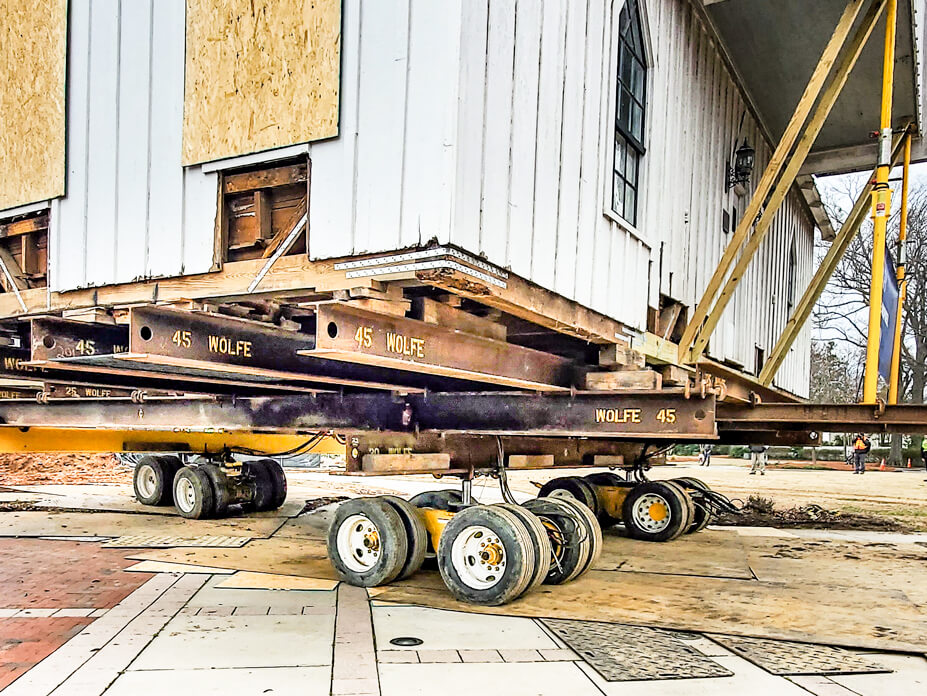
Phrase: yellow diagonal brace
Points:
(783, 186)
(821, 277)
(773, 169)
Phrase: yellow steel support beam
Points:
(902, 281)
(821, 277)
(784, 185)
(772, 171)
(881, 210)
(20, 441)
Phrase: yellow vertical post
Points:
(895, 374)
(881, 209)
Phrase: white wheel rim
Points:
(358, 543)
(478, 557)
(562, 493)
(146, 479)
(185, 494)
(647, 511)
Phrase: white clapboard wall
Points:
(483, 124)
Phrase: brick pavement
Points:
(36, 575)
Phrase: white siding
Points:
(386, 181)
(486, 124)
(483, 124)
(131, 211)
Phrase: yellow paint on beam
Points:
(14, 440)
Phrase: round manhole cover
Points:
(406, 641)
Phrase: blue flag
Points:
(889, 317)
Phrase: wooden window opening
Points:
(24, 251)
(260, 207)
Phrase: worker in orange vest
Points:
(861, 447)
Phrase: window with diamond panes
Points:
(629, 112)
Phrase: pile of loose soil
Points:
(761, 513)
(62, 468)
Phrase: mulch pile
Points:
(810, 516)
(63, 468)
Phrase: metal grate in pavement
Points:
(784, 658)
(619, 652)
(167, 541)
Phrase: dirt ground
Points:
(894, 496)
(36, 469)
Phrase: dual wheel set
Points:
(209, 489)
(649, 510)
(486, 554)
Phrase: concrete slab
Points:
(448, 630)
(240, 641)
(747, 679)
(908, 679)
(214, 596)
(500, 679)
(280, 681)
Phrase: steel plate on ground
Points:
(619, 652)
(166, 541)
(784, 658)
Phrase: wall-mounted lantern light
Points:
(739, 174)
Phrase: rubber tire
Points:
(416, 535)
(676, 505)
(700, 520)
(577, 544)
(539, 539)
(520, 562)
(393, 541)
(690, 506)
(220, 488)
(439, 500)
(264, 489)
(279, 480)
(205, 502)
(593, 530)
(691, 483)
(577, 487)
(164, 480)
(607, 478)
(173, 463)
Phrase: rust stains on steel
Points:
(636, 416)
(240, 347)
(905, 419)
(54, 339)
(354, 335)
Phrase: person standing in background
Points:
(861, 447)
(758, 453)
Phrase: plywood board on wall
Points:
(32, 66)
(260, 74)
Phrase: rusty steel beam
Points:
(349, 334)
(55, 339)
(905, 419)
(481, 452)
(632, 416)
(240, 347)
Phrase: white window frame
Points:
(607, 168)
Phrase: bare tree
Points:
(842, 313)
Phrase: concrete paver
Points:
(821, 686)
(501, 679)
(908, 679)
(440, 630)
(282, 681)
(434, 656)
(239, 641)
